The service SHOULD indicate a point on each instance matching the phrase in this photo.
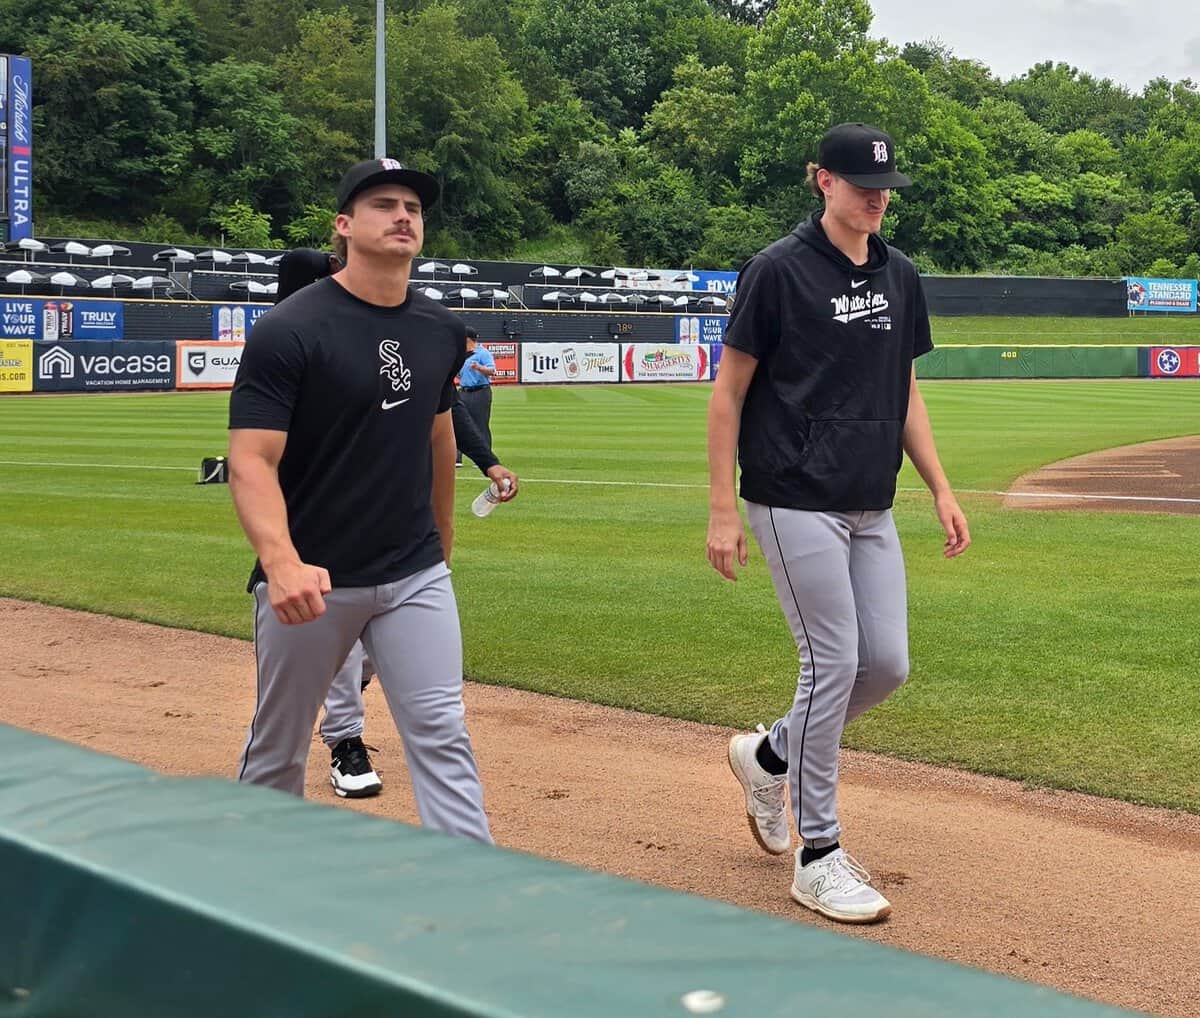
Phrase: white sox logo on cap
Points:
(881, 151)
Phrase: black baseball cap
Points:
(861, 154)
(373, 172)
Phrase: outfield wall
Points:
(130, 365)
(129, 893)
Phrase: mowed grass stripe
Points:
(1058, 650)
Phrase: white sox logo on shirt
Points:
(849, 307)
(396, 372)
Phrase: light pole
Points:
(380, 85)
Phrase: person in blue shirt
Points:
(475, 384)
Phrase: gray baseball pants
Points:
(411, 630)
(344, 708)
(840, 580)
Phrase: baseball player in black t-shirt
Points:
(351, 772)
(342, 473)
(817, 399)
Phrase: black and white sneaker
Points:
(350, 771)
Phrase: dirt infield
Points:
(1154, 477)
(1084, 894)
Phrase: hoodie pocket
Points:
(852, 464)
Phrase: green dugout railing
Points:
(124, 893)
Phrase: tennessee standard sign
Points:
(90, 366)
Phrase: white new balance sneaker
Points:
(838, 887)
(765, 805)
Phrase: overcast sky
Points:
(1130, 42)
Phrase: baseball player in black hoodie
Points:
(817, 399)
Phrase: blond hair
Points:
(811, 181)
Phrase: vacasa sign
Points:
(86, 366)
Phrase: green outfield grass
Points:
(1143, 330)
(1061, 650)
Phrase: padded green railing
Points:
(126, 894)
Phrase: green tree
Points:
(965, 81)
(953, 210)
(1086, 151)
(1014, 143)
(697, 125)
(1147, 236)
(242, 226)
(559, 131)
(1100, 202)
(1061, 99)
(245, 141)
(744, 12)
(112, 112)
(594, 45)
(326, 80)
(659, 219)
(1041, 212)
(313, 227)
(457, 110)
(733, 234)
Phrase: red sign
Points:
(1175, 362)
(505, 355)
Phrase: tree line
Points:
(655, 132)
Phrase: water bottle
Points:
(489, 498)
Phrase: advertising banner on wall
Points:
(700, 328)
(90, 366)
(508, 368)
(200, 364)
(661, 362)
(3, 137)
(570, 362)
(231, 322)
(715, 282)
(19, 115)
(16, 365)
(52, 320)
(714, 358)
(1175, 362)
(1143, 294)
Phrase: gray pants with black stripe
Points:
(411, 630)
(840, 581)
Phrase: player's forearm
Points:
(724, 425)
(261, 510)
(920, 446)
(485, 369)
(442, 492)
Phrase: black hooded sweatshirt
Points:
(823, 422)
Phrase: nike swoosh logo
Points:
(395, 403)
(855, 286)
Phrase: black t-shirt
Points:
(356, 388)
(823, 421)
